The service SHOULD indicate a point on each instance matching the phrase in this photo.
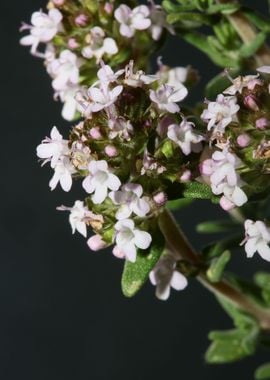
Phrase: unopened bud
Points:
(111, 151)
(58, 3)
(95, 243)
(262, 123)
(243, 140)
(73, 44)
(108, 8)
(81, 20)
(118, 253)
(250, 102)
(185, 177)
(95, 133)
(160, 198)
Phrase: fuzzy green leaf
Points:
(197, 190)
(216, 269)
(263, 372)
(232, 345)
(135, 274)
(250, 49)
(225, 9)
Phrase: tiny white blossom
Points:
(71, 106)
(99, 45)
(64, 70)
(130, 200)
(132, 20)
(166, 97)
(63, 171)
(164, 276)
(221, 113)
(100, 180)
(221, 170)
(241, 82)
(184, 136)
(80, 216)
(106, 75)
(128, 238)
(158, 21)
(139, 78)
(103, 97)
(53, 147)
(120, 128)
(257, 239)
(44, 27)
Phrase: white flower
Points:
(221, 113)
(80, 216)
(239, 83)
(139, 78)
(99, 181)
(63, 171)
(99, 45)
(104, 97)
(158, 21)
(221, 170)
(164, 276)
(44, 27)
(132, 20)
(166, 97)
(53, 147)
(257, 239)
(264, 69)
(130, 200)
(184, 136)
(121, 128)
(106, 75)
(128, 238)
(64, 70)
(71, 106)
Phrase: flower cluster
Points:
(132, 147)
(77, 36)
(236, 165)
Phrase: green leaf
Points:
(197, 190)
(216, 269)
(262, 279)
(261, 22)
(216, 226)
(225, 9)
(232, 345)
(178, 204)
(135, 274)
(263, 372)
(250, 49)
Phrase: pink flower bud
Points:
(95, 133)
(226, 204)
(95, 243)
(250, 102)
(108, 8)
(117, 253)
(262, 123)
(81, 20)
(58, 3)
(160, 198)
(243, 140)
(111, 151)
(72, 43)
(206, 167)
(185, 177)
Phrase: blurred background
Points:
(63, 316)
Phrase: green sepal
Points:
(263, 372)
(167, 149)
(135, 274)
(217, 267)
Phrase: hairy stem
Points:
(179, 244)
(247, 33)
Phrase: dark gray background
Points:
(63, 316)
